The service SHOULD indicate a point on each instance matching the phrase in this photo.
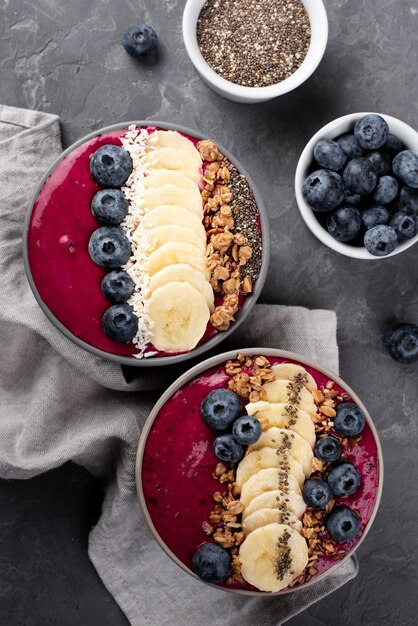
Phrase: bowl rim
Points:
(308, 214)
(305, 70)
(249, 301)
(199, 369)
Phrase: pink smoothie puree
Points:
(178, 463)
(61, 224)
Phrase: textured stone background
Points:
(65, 57)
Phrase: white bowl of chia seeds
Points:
(255, 50)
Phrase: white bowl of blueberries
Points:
(357, 185)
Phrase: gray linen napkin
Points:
(60, 403)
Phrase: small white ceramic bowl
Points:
(238, 93)
(345, 124)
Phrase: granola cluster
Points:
(248, 375)
(227, 251)
(224, 521)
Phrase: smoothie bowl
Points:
(146, 245)
(259, 471)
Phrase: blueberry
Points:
(375, 216)
(371, 131)
(211, 563)
(359, 176)
(328, 449)
(323, 190)
(220, 409)
(380, 240)
(351, 198)
(109, 206)
(344, 224)
(350, 146)
(343, 480)
(330, 154)
(380, 162)
(386, 190)
(109, 247)
(404, 225)
(117, 286)
(405, 167)
(140, 40)
(343, 524)
(402, 342)
(247, 430)
(393, 145)
(316, 493)
(407, 200)
(350, 420)
(227, 448)
(110, 166)
(120, 323)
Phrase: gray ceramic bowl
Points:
(214, 341)
(196, 371)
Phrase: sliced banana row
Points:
(179, 297)
(271, 476)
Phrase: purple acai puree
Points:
(61, 224)
(178, 464)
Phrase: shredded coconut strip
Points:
(135, 142)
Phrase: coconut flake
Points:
(135, 142)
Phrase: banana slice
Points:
(173, 139)
(183, 273)
(180, 315)
(268, 480)
(283, 439)
(171, 194)
(265, 458)
(173, 159)
(157, 178)
(262, 517)
(171, 253)
(173, 215)
(276, 500)
(273, 556)
(289, 371)
(156, 237)
(281, 391)
(278, 415)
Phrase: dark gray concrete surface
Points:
(65, 57)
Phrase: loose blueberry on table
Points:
(140, 41)
(402, 343)
(268, 494)
(367, 187)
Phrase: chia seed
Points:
(284, 560)
(254, 43)
(246, 217)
